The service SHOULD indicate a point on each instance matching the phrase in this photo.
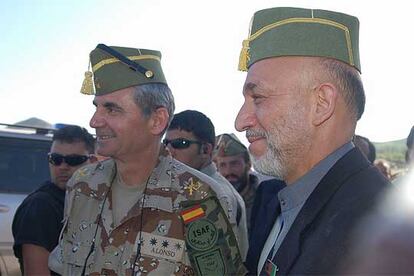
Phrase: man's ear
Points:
(326, 95)
(159, 120)
(206, 148)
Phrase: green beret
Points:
(280, 32)
(228, 145)
(115, 68)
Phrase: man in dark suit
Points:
(264, 212)
(303, 98)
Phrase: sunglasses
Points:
(72, 160)
(180, 143)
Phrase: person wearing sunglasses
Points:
(38, 220)
(191, 138)
(140, 211)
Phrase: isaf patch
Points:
(211, 244)
(202, 235)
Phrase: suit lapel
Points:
(348, 165)
(269, 211)
(272, 208)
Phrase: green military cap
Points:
(285, 31)
(115, 68)
(228, 145)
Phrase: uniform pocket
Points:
(76, 257)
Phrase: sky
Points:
(45, 46)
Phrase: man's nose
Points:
(245, 118)
(64, 166)
(224, 170)
(96, 121)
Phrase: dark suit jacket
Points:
(265, 210)
(321, 235)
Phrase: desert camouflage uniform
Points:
(170, 243)
(228, 196)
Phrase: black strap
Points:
(131, 64)
(92, 248)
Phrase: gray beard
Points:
(270, 164)
(273, 162)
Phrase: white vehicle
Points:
(23, 168)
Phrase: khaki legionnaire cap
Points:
(285, 31)
(228, 145)
(115, 68)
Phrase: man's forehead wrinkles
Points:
(252, 87)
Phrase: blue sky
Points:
(45, 45)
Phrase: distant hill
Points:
(35, 122)
(392, 151)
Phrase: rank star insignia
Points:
(153, 241)
(192, 186)
(177, 246)
(165, 244)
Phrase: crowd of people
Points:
(390, 172)
(159, 193)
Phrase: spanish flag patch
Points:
(192, 214)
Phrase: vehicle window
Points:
(23, 164)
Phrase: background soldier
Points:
(233, 162)
(191, 139)
(38, 220)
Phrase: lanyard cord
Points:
(99, 220)
(139, 242)
(92, 248)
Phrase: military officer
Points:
(140, 212)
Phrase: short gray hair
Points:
(149, 97)
(349, 82)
